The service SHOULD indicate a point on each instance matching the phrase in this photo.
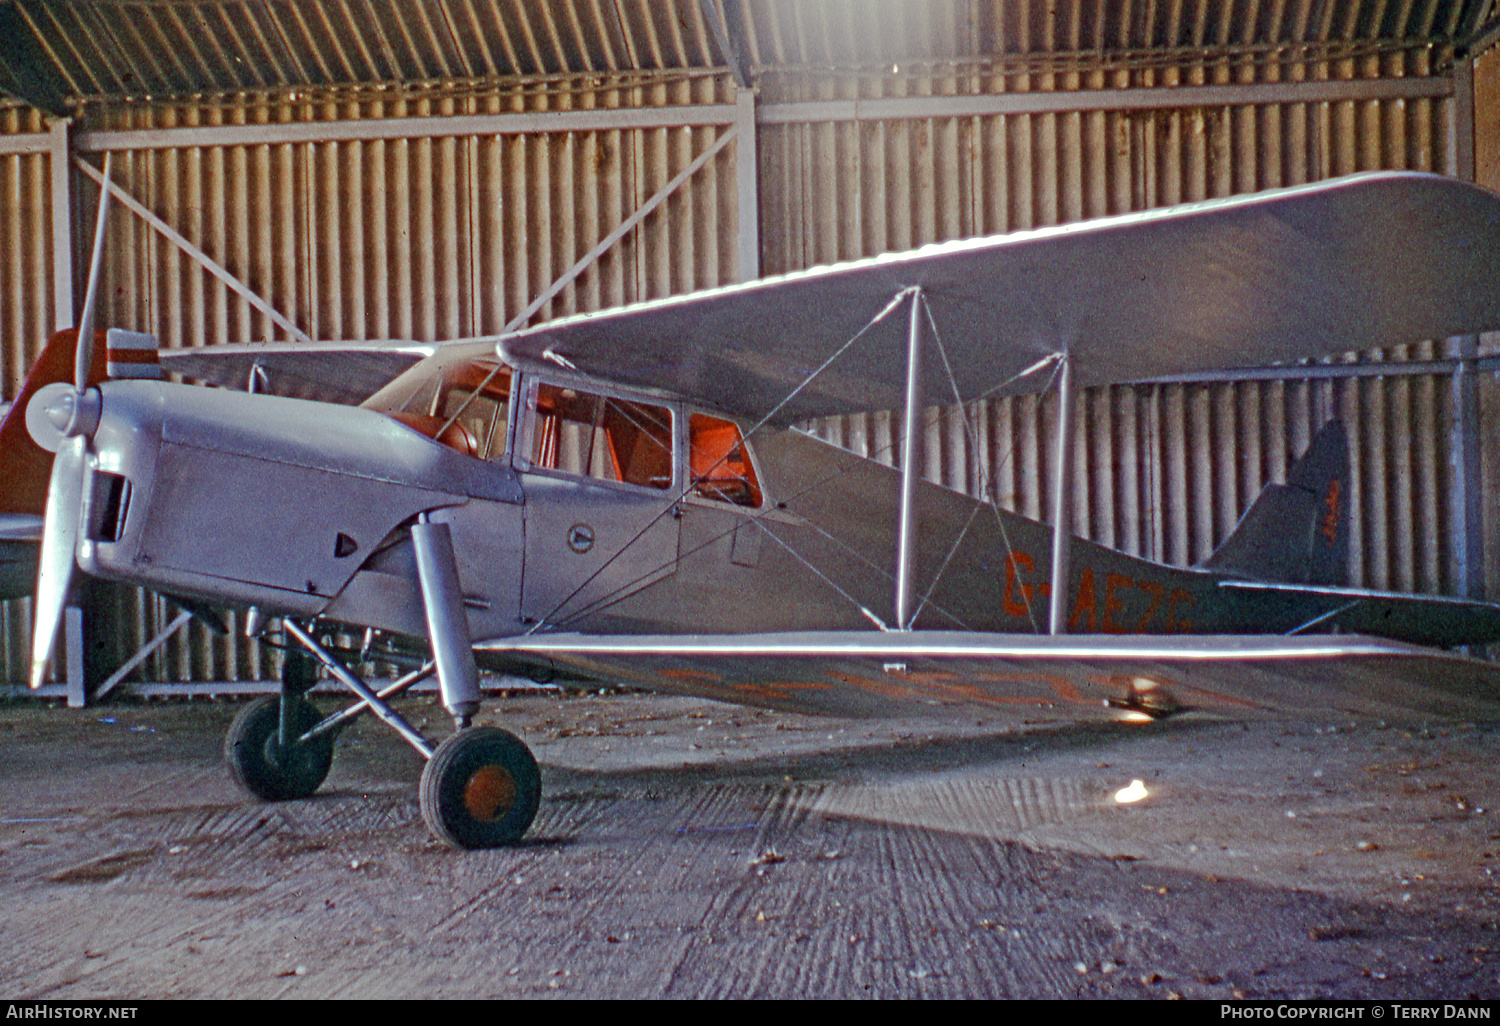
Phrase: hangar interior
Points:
(337, 170)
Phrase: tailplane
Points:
(1297, 532)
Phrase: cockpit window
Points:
(464, 404)
(602, 436)
(721, 468)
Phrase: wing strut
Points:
(911, 449)
(1062, 502)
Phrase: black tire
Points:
(480, 789)
(259, 766)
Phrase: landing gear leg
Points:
(263, 750)
(481, 788)
(447, 623)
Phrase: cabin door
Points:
(601, 520)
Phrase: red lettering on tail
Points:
(1330, 528)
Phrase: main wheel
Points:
(260, 765)
(480, 789)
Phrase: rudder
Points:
(1297, 532)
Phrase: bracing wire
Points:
(1055, 360)
(1051, 362)
(884, 312)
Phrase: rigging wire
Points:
(985, 480)
(672, 505)
(759, 518)
(1052, 361)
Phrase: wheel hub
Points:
(489, 793)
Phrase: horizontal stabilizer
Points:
(1417, 619)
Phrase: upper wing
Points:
(334, 372)
(1363, 262)
(1051, 678)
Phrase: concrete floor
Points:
(690, 849)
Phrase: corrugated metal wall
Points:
(25, 250)
(445, 237)
(421, 239)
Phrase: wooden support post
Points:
(1468, 493)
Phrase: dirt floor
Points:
(689, 849)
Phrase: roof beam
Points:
(24, 66)
(525, 123)
(1484, 38)
(986, 105)
(1482, 32)
(726, 20)
(991, 104)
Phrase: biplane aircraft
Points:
(626, 496)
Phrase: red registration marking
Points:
(1103, 610)
(1012, 605)
(699, 682)
(1085, 603)
(779, 691)
(1330, 528)
(1114, 583)
(891, 686)
(1060, 685)
(693, 676)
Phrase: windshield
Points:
(460, 400)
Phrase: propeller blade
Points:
(85, 357)
(59, 546)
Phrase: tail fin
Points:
(1297, 532)
(25, 467)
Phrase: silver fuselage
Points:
(303, 508)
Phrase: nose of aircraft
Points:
(73, 413)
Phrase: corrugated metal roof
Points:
(63, 50)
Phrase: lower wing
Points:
(1035, 678)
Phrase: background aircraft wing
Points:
(1036, 678)
(1359, 263)
(20, 543)
(334, 372)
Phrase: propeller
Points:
(73, 414)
